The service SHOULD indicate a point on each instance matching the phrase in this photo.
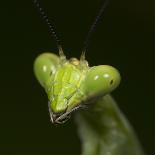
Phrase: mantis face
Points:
(69, 84)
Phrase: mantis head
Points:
(70, 84)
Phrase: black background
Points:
(124, 39)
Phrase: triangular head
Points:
(70, 84)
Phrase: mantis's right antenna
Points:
(93, 26)
(50, 26)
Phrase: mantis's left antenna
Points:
(50, 25)
(94, 24)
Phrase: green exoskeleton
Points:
(71, 85)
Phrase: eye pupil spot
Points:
(111, 82)
(51, 73)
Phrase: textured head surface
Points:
(70, 84)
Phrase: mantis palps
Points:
(72, 85)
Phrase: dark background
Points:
(124, 39)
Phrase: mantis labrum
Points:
(72, 85)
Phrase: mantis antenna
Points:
(94, 24)
(53, 31)
(50, 25)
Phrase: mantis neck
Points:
(104, 130)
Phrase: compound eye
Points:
(101, 78)
(44, 65)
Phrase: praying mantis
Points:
(72, 86)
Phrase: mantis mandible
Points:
(72, 85)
